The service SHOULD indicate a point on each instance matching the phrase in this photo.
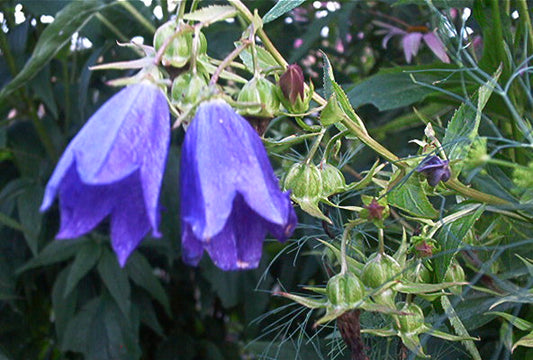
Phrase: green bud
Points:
(262, 92)
(344, 289)
(293, 94)
(178, 52)
(413, 323)
(305, 182)
(380, 269)
(332, 180)
(455, 273)
(187, 89)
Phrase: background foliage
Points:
(70, 299)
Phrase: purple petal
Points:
(436, 45)
(411, 44)
(239, 245)
(82, 206)
(129, 221)
(192, 248)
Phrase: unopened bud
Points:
(305, 182)
(178, 51)
(455, 273)
(187, 89)
(333, 181)
(261, 92)
(344, 289)
(412, 322)
(292, 83)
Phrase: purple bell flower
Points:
(230, 197)
(114, 166)
(435, 169)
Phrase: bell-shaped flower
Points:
(411, 40)
(435, 169)
(230, 196)
(114, 166)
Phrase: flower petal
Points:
(411, 44)
(192, 248)
(436, 45)
(239, 245)
(129, 220)
(82, 206)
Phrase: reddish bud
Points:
(375, 210)
(292, 83)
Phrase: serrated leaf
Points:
(85, 260)
(450, 237)
(56, 251)
(410, 197)
(459, 328)
(142, 274)
(332, 113)
(210, 14)
(463, 127)
(115, 280)
(56, 35)
(282, 7)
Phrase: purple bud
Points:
(292, 83)
(435, 169)
(375, 210)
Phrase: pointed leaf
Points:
(409, 196)
(211, 14)
(85, 260)
(519, 323)
(282, 7)
(307, 302)
(526, 341)
(115, 280)
(459, 328)
(380, 332)
(56, 251)
(412, 342)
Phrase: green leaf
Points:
(142, 274)
(210, 14)
(463, 127)
(394, 88)
(526, 341)
(409, 196)
(64, 306)
(450, 237)
(264, 59)
(459, 328)
(281, 7)
(56, 35)
(116, 280)
(517, 322)
(30, 217)
(85, 260)
(56, 251)
(418, 288)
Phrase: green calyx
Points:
(258, 97)
(344, 290)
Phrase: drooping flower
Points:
(411, 39)
(114, 166)
(230, 196)
(435, 169)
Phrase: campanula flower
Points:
(435, 169)
(230, 197)
(114, 166)
(411, 39)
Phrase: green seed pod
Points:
(187, 89)
(262, 92)
(380, 269)
(305, 182)
(178, 52)
(344, 289)
(332, 180)
(455, 273)
(413, 323)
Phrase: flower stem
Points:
(138, 16)
(225, 63)
(315, 146)
(344, 242)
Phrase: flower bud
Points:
(380, 269)
(294, 96)
(178, 52)
(435, 170)
(455, 273)
(259, 91)
(413, 322)
(332, 180)
(344, 289)
(292, 83)
(374, 210)
(305, 182)
(187, 89)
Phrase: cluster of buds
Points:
(310, 184)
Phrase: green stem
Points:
(507, 164)
(344, 242)
(315, 146)
(112, 27)
(526, 20)
(6, 51)
(138, 16)
(227, 61)
(66, 85)
(41, 131)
